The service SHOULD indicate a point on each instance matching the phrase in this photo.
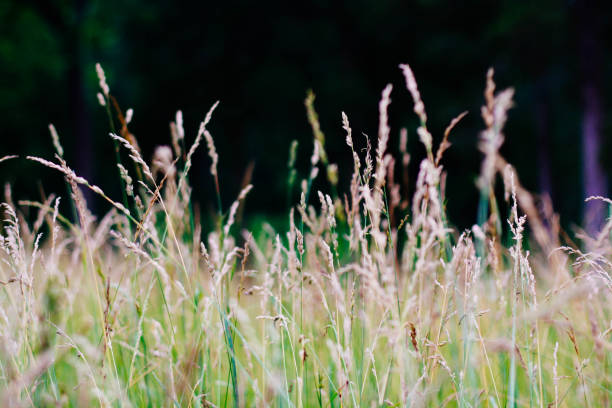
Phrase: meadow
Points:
(370, 297)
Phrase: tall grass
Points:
(368, 298)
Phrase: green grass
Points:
(374, 300)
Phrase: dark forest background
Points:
(260, 58)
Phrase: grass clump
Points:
(368, 298)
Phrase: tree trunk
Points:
(594, 179)
(542, 110)
(78, 102)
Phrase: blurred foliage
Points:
(260, 58)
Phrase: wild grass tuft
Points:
(369, 297)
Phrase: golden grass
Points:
(364, 300)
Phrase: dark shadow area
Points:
(260, 58)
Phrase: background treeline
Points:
(260, 58)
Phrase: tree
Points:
(590, 27)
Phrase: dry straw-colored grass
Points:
(367, 299)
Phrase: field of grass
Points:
(368, 298)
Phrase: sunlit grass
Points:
(367, 298)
